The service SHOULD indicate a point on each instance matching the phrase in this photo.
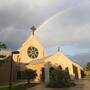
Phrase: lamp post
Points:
(11, 62)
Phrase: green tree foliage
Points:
(30, 75)
(87, 72)
(2, 46)
(88, 66)
(59, 78)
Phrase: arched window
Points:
(75, 71)
(60, 67)
(67, 69)
(42, 74)
(18, 59)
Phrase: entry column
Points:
(47, 66)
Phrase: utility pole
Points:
(11, 65)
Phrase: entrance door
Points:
(43, 74)
(82, 74)
(75, 71)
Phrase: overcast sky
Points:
(60, 23)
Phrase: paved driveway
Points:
(81, 85)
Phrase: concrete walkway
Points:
(81, 85)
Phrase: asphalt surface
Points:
(81, 85)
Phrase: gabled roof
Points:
(59, 57)
(32, 40)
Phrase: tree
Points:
(2, 46)
(87, 72)
(30, 75)
(88, 66)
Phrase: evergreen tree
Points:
(88, 66)
(2, 46)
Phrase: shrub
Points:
(60, 78)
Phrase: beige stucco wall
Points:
(24, 58)
(32, 41)
(60, 59)
(57, 59)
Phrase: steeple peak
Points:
(33, 28)
(58, 49)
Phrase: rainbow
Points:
(57, 14)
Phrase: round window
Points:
(32, 52)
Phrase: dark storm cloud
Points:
(81, 58)
(70, 27)
(21, 15)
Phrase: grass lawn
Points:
(16, 86)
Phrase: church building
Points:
(33, 56)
